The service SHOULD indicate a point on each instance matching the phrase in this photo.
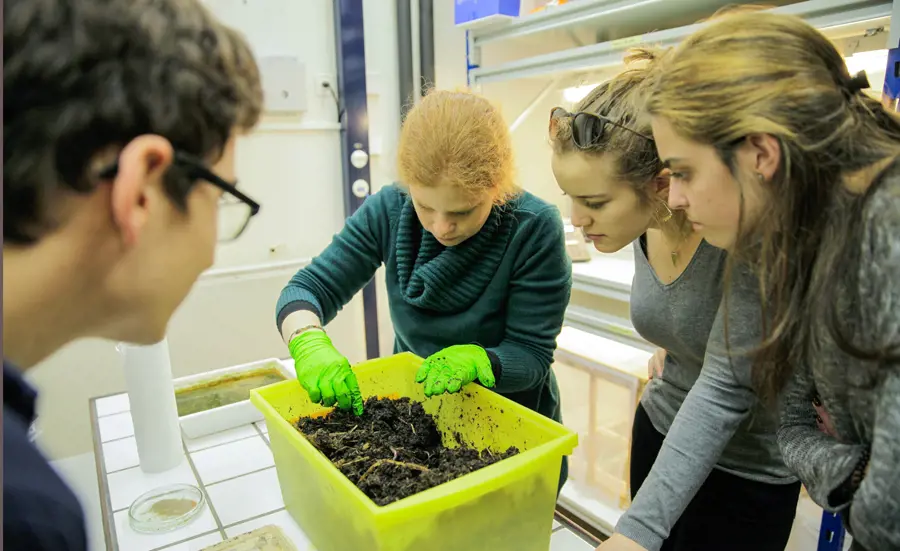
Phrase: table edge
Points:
(112, 543)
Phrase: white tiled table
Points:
(236, 472)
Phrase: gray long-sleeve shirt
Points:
(861, 397)
(704, 400)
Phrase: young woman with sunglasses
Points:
(477, 274)
(783, 159)
(741, 496)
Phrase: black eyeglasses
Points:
(587, 128)
(235, 208)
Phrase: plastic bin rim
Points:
(565, 441)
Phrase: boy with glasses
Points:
(118, 166)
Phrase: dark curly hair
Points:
(84, 77)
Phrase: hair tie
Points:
(858, 83)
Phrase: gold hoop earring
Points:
(668, 215)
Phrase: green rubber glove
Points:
(454, 367)
(324, 372)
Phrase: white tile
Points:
(234, 459)
(564, 540)
(242, 498)
(129, 540)
(283, 520)
(125, 486)
(556, 524)
(120, 454)
(115, 426)
(263, 427)
(216, 439)
(197, 544)
(112, 404)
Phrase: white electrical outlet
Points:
(323, 83)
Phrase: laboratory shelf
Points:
(600, 382)
(834, 17)
(601, 16)
(607, 276)
(605, 325)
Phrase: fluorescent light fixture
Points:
(578, 93)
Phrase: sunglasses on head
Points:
(587, 128)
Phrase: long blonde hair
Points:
(762, 73)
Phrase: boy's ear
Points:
(142, 163)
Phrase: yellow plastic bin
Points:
(506, 506)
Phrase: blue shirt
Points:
(40, 513)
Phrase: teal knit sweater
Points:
(505, 289)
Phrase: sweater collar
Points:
(448, 279)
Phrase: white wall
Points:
(291, 165)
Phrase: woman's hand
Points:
(656, 363)
(454, 367)
(324, 372)
(618, 542)
(823, 420)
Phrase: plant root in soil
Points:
(393, 450)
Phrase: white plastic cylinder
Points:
(148, 376)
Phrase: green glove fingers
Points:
(485, 373)
(454, 385)
(443, 382)
(356, 398)
(438, 383)
(342, 394)
(454, 367)
(423, 371)
(326, 387)
(311, 386)
(346, 391)
(324, 373)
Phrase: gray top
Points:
(861, 397)
(704, 400)
(690, 303)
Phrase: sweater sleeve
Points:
(718, 402)
(539, 293)
(875, 510)
(345, 266)
(822, 462)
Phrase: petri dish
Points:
(165, 509)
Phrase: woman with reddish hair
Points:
(476, 269)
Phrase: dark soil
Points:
(393, 450)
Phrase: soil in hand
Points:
(393, 450)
